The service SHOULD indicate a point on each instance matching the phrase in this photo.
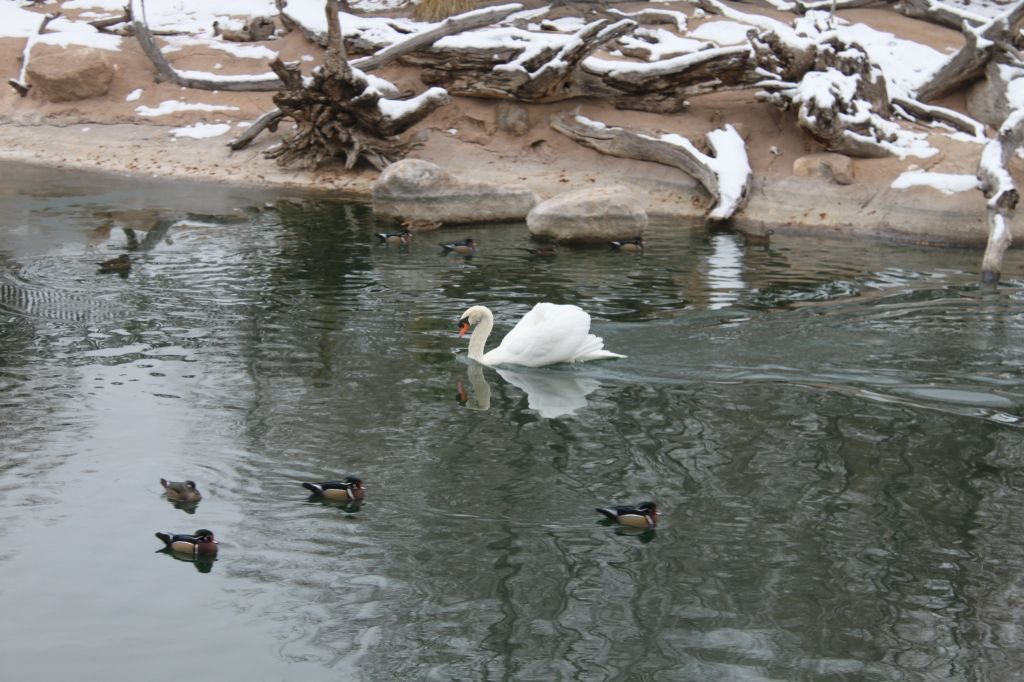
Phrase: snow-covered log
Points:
(968, 63)
(188, 79)
(466, 21)
(664, 85)
(725, 173)
(930, 114)
(943, 13)
(510, 63)
(1000, 191)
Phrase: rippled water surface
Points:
(832, 431)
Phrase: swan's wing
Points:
(546, 335)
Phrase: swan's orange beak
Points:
(463, 327)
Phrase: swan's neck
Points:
(479, 336)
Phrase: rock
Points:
(986, 99)
(836, 168)
(65, 75)
(412, 189)
(512, 118)
(596, 214)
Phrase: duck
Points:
(466, 247)
(545, 251)
(200, 543)
(403, 237)
(120, 264)
(547, 335)
(349, 489)
(421, 224)
(643, 515)
(181, 491)
(634, 245)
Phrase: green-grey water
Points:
(832, 432)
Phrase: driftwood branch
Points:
(928, 113)
(19, 84)
(459, 23)
(942, 13)
(725, 174)
(105, 24)
(549, 75)
(167, 73)
(968, 63)
(1001, 193)
(267, 121)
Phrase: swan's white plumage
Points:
(546, 335)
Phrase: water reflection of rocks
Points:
(551, 393)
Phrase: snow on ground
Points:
(172, 106)
(240, 50)
(721, 32)
(947, 183)
(133, 95)
(201, 131)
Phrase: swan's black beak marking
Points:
(463, 326)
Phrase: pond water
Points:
(832, 432)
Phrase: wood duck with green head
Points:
(181, 491)
(399, 238)
(634, 245)
(198, 544)
(643, 515)
(350, 489)
(464, 247)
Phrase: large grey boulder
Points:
(837, 168)
(60, 74)
(596, 214)
(417, 190)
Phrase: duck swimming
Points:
(466, 247)
(120, 264)
(200, 543)
(347, 490)
(403, 237)
(634, 245)
(643, 515)
(546, 335)
(183, 491)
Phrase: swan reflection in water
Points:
(550, 394)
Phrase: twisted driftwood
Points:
(725, 173)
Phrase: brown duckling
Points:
(181, 491)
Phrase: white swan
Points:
(546, 335)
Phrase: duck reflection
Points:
(347, 506)
(550, 393)
(202, 563)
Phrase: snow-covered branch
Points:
(725, 173)
(1000, 191)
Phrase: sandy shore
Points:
(109, 134)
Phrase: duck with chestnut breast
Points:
(402, 238)
(349, 489)
(465, 247)
(547, 335)
(643, 515)
(200, 543)
(634, 245)
(181, 491)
